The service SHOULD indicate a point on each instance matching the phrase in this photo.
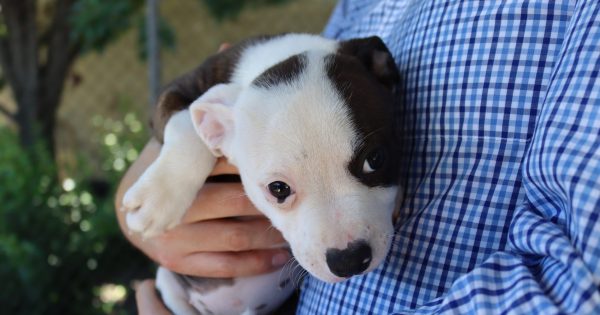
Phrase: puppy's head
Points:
(312, 138)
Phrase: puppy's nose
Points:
(350, 261)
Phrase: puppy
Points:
(308, 123)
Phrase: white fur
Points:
(250, 292)
(213, 118)
(173, 294)
(304, 135)
(300, 133)
(256, 59)
(160, 197)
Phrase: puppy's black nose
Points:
(350, 261)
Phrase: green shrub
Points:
(61, 251)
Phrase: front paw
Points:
(154, 205)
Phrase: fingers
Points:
(220, 200)
(222, 235)
(231, 264)
(221, 248)
(147, 301)
(223, 167)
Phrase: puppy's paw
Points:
(148, 225)
(154, 205)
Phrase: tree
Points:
(39, 43)
(40, 40)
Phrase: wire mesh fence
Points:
(61, 250)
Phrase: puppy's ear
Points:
(375, 56)
(212, 116)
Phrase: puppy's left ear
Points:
(375, 56)
(212, 116)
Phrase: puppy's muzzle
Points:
(350, 261)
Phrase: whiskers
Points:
(295, 272)
(394, 240)
(298, 274)
(270, 228)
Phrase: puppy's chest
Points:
(243, 295)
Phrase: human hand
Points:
(148, 302)
(221, 234)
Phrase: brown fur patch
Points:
(370, 102)
(182, 91)
(374, 55)
(284, 72)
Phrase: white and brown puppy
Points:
(308, 123)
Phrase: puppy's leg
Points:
(173, 294)
(160, 197)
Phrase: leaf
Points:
(95, 24)
(166, 37)
(229, 9)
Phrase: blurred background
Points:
(77, 79)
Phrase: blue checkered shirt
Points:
(500, 125)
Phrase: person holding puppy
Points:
(499, 120)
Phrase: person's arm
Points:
(550, 265)
(211, 241)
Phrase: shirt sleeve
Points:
(551, 265)
(345, 15)
(336, 20)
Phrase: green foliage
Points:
(166, 36)
(224, 9)
(121, 138)
(61, 251)
(96, 23)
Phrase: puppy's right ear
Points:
(212, 116)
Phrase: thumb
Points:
(148, 302)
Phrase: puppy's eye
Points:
(374, 161)
(280, 190)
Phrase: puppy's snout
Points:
(350, 261)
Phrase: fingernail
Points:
(280, 259)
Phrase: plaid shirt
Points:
(500, 122)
